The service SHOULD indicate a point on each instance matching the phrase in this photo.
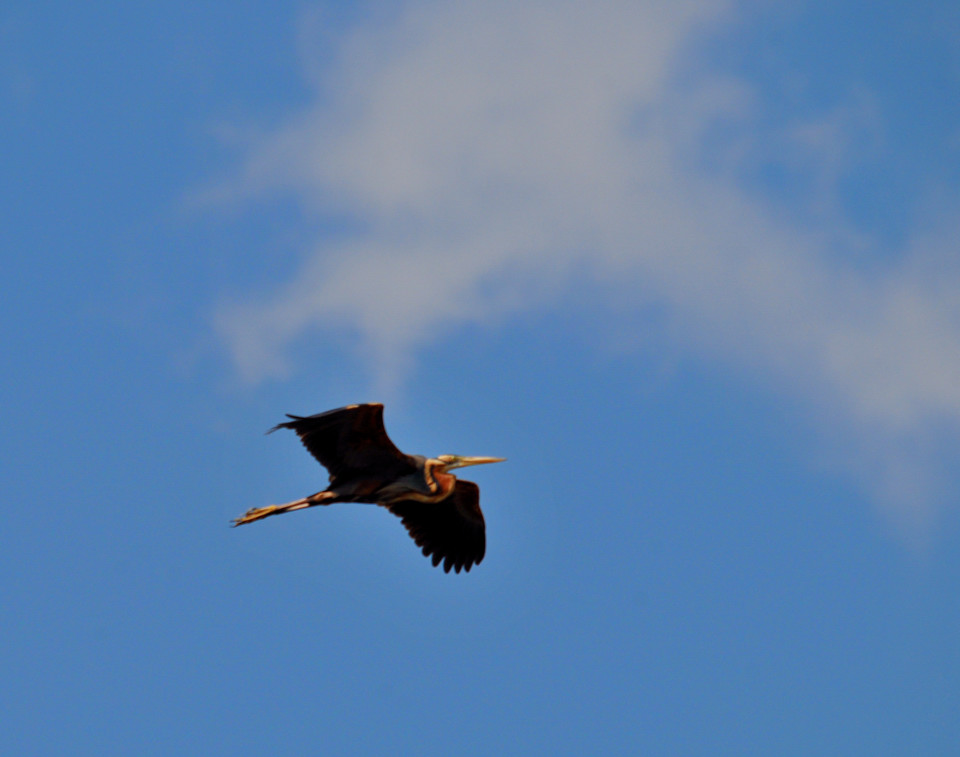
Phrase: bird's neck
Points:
(440, 482)
(445, 483)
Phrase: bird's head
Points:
(450, 462)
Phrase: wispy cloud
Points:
(488, 151)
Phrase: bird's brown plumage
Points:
(441, 513)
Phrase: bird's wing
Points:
(452, 530)
(350, 442)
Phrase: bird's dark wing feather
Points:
(351, 442)
(452, 530)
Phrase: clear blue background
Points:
(667, 572)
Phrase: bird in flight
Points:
(441, 512)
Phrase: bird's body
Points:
(441, 512)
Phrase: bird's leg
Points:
(257, 513)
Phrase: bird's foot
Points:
(255, 513)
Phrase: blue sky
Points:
(691, 266)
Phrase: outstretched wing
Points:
(351, 442)
(452, 530)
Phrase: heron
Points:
(441, 512)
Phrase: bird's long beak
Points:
(462, 462)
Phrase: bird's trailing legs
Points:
(257, 513)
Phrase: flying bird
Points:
(441, 512)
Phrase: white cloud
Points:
(486, 150)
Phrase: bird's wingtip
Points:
(285, 424)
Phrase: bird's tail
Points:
(258, 513)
